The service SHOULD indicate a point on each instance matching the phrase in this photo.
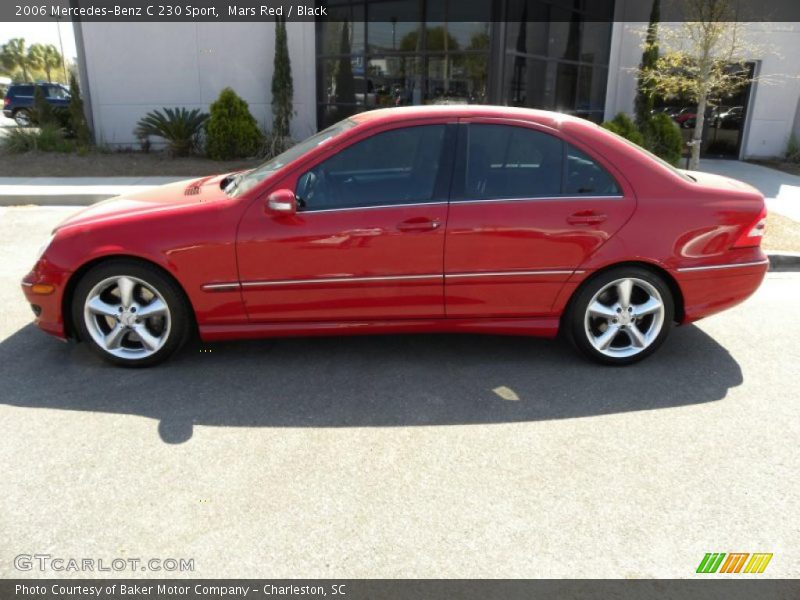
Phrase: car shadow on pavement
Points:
(379, 381)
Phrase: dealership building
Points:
(573, 56)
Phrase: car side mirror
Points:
(282, 202)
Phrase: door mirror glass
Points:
(282, 202)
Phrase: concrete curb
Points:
(53, 199)
(73, 191)
(784, 261)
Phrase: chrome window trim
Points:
(726, 266)
(348, 208)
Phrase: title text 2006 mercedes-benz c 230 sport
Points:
(472, 219)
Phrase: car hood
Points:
(168, 197)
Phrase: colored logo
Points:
(734, 562)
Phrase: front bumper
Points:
(46, 305)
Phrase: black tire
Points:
(581, 328)
(23, 117)
(179, 317)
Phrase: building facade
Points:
(567, 55)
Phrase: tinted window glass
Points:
(504, 161)
(23, 90)
(585, 176)
(394, 167)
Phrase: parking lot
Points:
(402, 456)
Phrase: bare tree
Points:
(705, 58)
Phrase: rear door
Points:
(527, 208)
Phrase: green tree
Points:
(35, 58)
(231, 131)
(706, 58)
(43, 113)
(13, 56)
(77, 118)
(643, 103)
(282, 86)
(345, 82)
(51, 60)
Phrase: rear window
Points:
(21, 90)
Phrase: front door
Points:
(527, 209)
(367, 241)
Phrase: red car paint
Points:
(506, 267)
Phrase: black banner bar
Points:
(402, 11)
(397, 589)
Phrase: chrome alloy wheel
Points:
(127, 317)
(624, 317)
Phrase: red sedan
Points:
(473, 219)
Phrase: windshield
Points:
(245, 181)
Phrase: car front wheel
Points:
(130, 313)
(621, 316)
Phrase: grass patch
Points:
(48, 138)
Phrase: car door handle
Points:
(586, 217)
(419, 224)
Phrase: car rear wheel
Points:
(130, 313)
(23, 118)
(621, 316)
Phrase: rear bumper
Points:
(711, 289)
(46, 307)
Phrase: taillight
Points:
(6, 101)
(753, 234)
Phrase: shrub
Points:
(231, 131)
(793, 149)
(663, 138)
(48, 138)
(624, 126)
(43, 113)
(178, 126)
(77, 118)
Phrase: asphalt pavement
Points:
(402, 456)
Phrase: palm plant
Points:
(51, 59)
(178, 126)
(35, 57)
(13, 56)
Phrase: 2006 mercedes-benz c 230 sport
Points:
(471, 219)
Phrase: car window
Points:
(23, 90)
(504, 161)
(399, 166)
(54, 91)
(585, 177)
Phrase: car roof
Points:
(544, 117)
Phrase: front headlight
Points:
(43, 248)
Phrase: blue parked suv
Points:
(18, 102)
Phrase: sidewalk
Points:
(73, 191)
(781, 190)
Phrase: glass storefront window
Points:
(407, 52)
(557, 55)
